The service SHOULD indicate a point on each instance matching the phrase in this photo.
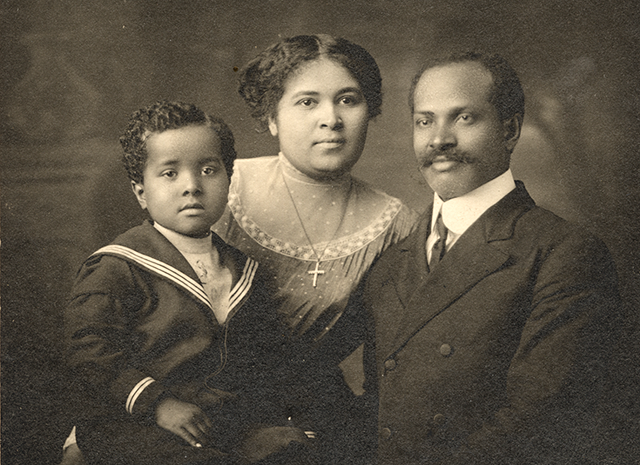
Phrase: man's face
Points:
(458, 137)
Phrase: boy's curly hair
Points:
(164, 115)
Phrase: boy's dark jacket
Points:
(128, 322)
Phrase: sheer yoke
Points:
(263, 224)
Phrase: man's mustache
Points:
(452, 155)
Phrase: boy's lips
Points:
(192, 206)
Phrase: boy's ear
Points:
(273, 126)
(138, 190)
(512, 130)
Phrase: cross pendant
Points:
(315, 273)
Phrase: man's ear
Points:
(138, 191)
(512, 129)
(273, 126)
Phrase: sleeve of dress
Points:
(99, 340)
(404, 223)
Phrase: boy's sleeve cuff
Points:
(143, 396)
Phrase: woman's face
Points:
(321, 120)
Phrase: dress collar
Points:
(461, 212)
(291, 172)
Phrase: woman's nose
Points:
(330, 117)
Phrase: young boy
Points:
(170, 338)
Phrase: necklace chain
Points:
(319, 258)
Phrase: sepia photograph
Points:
(320, 232)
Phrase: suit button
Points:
(445, 350)
(390, 364)
(439, 419)
(385, 433)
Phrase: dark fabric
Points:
(124, 324)
(499, 355)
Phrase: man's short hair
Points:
(506, 96)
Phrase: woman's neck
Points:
(291, 172)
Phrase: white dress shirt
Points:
(459, 213)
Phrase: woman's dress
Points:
(323, 329)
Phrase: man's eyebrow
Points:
(450, 111)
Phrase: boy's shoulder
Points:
(145, 247)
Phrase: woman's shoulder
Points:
(256, 166)
(387, 206)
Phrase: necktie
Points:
(439, 247)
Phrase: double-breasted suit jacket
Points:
(498, 354)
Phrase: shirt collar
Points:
(461, 212)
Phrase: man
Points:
(492, 318)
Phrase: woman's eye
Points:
(169, 174)
(307, 102)
(350, 99)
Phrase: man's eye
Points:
(423, 122)
(466, 118)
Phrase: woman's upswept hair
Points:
(262, 80)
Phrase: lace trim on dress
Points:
(338, 248)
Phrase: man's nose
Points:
(443, 137)
(330, 116)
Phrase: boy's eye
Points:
(210, 170)
(169, 173)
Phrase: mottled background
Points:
(72, 71)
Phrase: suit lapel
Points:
(471, 259)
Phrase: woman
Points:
(316, 230)
(314, 227)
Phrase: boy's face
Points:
(185, 185)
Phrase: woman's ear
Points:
(512, 130)
(138, 191)
(273, 126)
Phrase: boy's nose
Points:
(192, 185)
